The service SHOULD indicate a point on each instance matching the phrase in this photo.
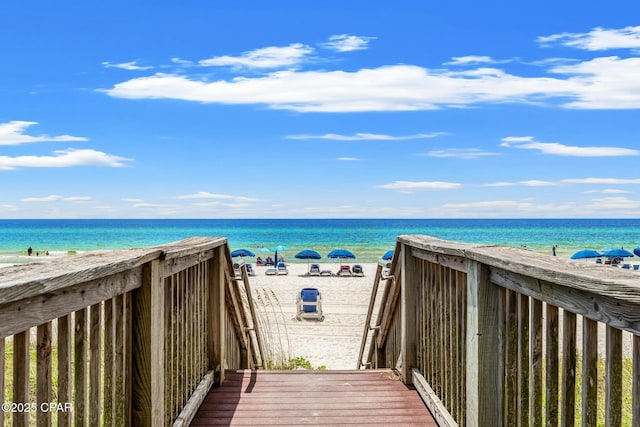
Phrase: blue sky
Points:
(292, 109)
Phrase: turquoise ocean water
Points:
(367, 238)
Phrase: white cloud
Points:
(607, 191)
(63, 159)
(537, 183)
(596, 39)
(460, 153)
(347, 43)
(207, 195)
(605, 181)
(554, 148)
(613, 203)
(349, 159)
(604, 83)
(408, 186)
(362, 136)
(268, 57)
(56, 198)
(508, 208)
(471, 59)
(132, 200)
(131, 66)
(500, 184)
(392, 88)
(12, 133)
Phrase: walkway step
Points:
(304, 398)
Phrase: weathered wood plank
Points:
(80, 367)
(216, 310)
(118, 360)
(568, 398)
(19, 315)
(453, 262)
(43, 373)
(511, 361)
(175, 265)
(484, 392)
(64, 368)
(252, 311)
(551, 382)
(367, 322)
(337, 404)
(613, 378)
(109, 350)
(523, 360)
(536, 362)
(433, 402)
(17, 283)
(595, 304)
(148, 350)
(589, 372)
(410, 274)
(95, 363)
(21, 376)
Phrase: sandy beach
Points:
(333, 342)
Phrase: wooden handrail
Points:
(465, 321)
(149, 331)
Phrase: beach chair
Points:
(326, 273)
(626, 266)
(270, 272)
(250, 271)
(281, 268)
(309, 303)
(345, 270)
(357, 270)
(314, 270)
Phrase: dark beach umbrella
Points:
(308, 254)
(636, 251)
(242, 253)
(341, 253)
(586, 253)
(388, 255)
(619, 253)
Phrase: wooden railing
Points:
(120, 338)
(489, 335)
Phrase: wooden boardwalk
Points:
(296, 398)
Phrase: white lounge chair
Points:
(314, 270)
(282, 268)
(309, 303)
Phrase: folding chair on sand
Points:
(309, 303)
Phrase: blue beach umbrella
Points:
(586, 253)
(618, 253)
(388, 255)
(341, 253)
(636, 251)
(308, 254)
(242, 253)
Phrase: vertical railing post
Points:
(408, 312)
(483, 389)
(216, 310)
(148, 348)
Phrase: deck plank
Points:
(296, 398)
